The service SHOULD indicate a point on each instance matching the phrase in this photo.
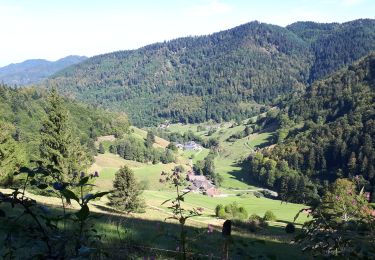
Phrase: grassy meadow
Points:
(148, 229)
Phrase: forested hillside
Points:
(327, 134)
(34, 71)
(22, 112)
(226, 75)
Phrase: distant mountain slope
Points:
(34, 71)
(222, 76)
(329, 133)
(336, 45)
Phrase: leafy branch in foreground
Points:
(343, 225)
(180, 214)
(54, 234)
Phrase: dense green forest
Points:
(136, 149)
(227, 75)
(22, 112)
(327, 134)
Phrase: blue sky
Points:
(51, 29)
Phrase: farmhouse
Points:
(200, 184)
(192, 146)
(189, 146)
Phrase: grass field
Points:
(151, 230)
(227, 163)
(108, 164)
(285, 212)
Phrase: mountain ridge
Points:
(33, 71)
(225, 75)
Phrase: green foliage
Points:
(101, 149)
(220, 211)
(269, 216)
(290, 228)
(150, 139)
(127, 192)
(220, 76)
(256, 223)
(178, 137)
(180, 214)
(45, 224)
(25, 110)
(342, 224)
(331, 133)
(136, 149)
(172, 146)
(11, 154)
(58, 145)
(207, 168)
(179, 168)
(231, 211)
(336, 45)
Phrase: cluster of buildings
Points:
(200, 184)
(190, 146)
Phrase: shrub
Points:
(101, 149)
(269, 216)
(179, 168)
(290, 228)
(231, 211)
(255, 217)
(220, 212)
(241, 213)
(258, 194)
(172, 146)
(256, 223)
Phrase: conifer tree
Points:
(101, 149)
(126, 194)
(59, 147)
(150, 139)
(11, 156)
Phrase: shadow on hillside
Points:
(127, 237)
(152, 238)
(242, 173)
(268, 141)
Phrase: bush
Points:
(220, 212)
(255, 217)
(258, 194)
(241, 213)
(290, 228)
(231, 211)
(179, 168)
(269, 216)
(256, 223)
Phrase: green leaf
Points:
(33, 182)
(99, 195)
(83, 181)
(25, 170)
(83, 213)
(2, 213)
(166, 201)
(68, 195)
(42, 186)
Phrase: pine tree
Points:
(126, 195)
(150, 139)
(11, 156)
(101, 148)
(59, 147)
